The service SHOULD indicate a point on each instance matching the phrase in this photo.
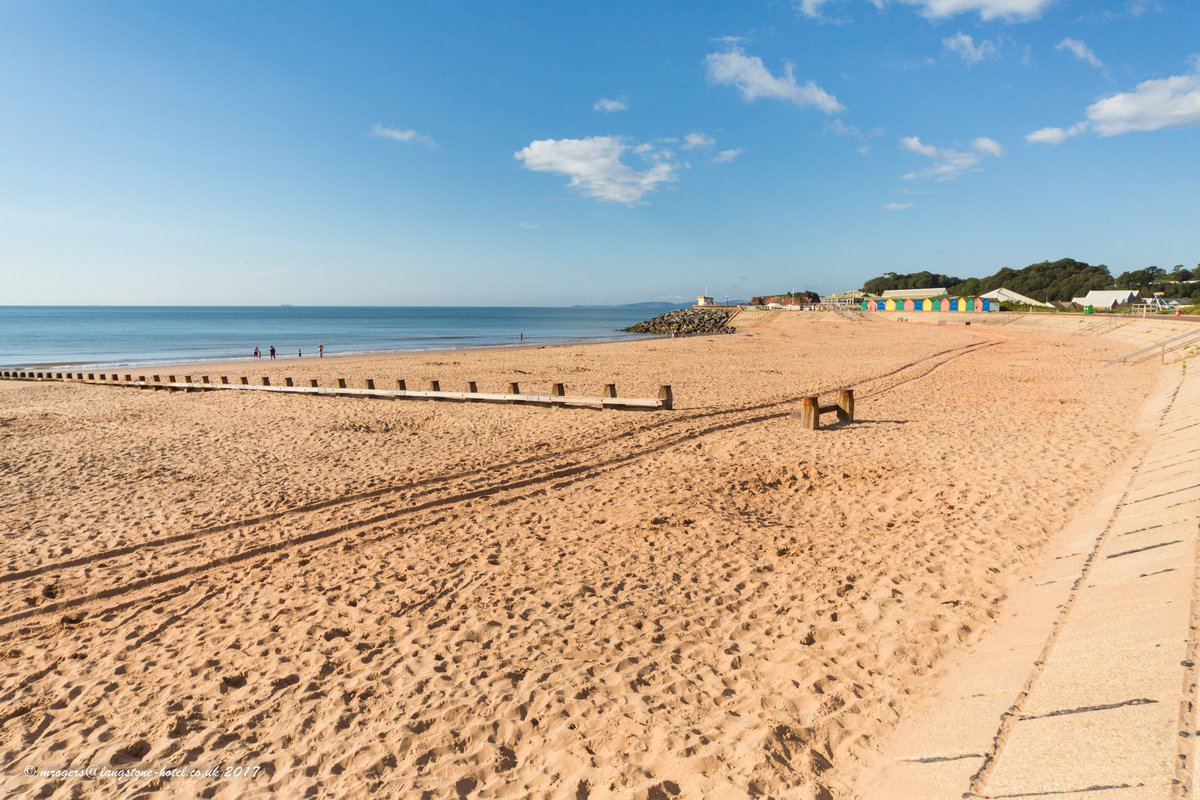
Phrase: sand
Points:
(429, 599)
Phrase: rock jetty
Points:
(686, 322)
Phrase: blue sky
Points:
(546, 154)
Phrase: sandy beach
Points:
(347, 597)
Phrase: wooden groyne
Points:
(557, 396)
(811, 409)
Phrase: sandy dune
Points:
(422, 599)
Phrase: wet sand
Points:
(457, 600)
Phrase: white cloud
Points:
(914, 144)
(1055, 135)
(949, 164)
(595, 168)
(842, 129)
(727, 156)
(1010, 10)
(696, 139)
(607, 104)
(1081, 51)
(754, 80)
(965, 46)
(406, 135)
(811, 8)
(897, 206)
(814, 9)
(1154, 104)
(989, 146)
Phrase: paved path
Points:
(1088, 686)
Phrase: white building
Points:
(912, 294)
(1106, 298)
(1003, 295)
(704, 300)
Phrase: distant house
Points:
(704, 300)
(1106, 298)
(1003, 295)
(843, 299)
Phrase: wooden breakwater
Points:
(811, 409)
(557, 397)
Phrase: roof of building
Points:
(1009, 296)
(904, 294)
(1106, 298)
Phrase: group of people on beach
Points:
(299, 352)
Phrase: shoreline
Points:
(356, 354)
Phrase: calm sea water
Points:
(50, 336)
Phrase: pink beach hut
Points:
(978, 304)
(908, 305)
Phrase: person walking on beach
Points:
(272, 352)
(299, 353)
(257, 353)
(320, 351)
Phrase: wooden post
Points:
(224, 380)
(435, 386)
(610, 390)
(845, 405)
(245, 381)
(401, 384)
(810, 415)
(102, 376)
(157, 379)
(665, 399)
(204, 379)
(129, 379)
(341, 383)
(187, 378)
(313, 383)
(514, 388)
(472, 386)
(266, 381)
(288, 382)
(370, 383)
(91, 376)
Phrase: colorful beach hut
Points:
(978, 304)
(964, 304)
(908, 304)
(890, 305)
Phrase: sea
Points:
(109, 336)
